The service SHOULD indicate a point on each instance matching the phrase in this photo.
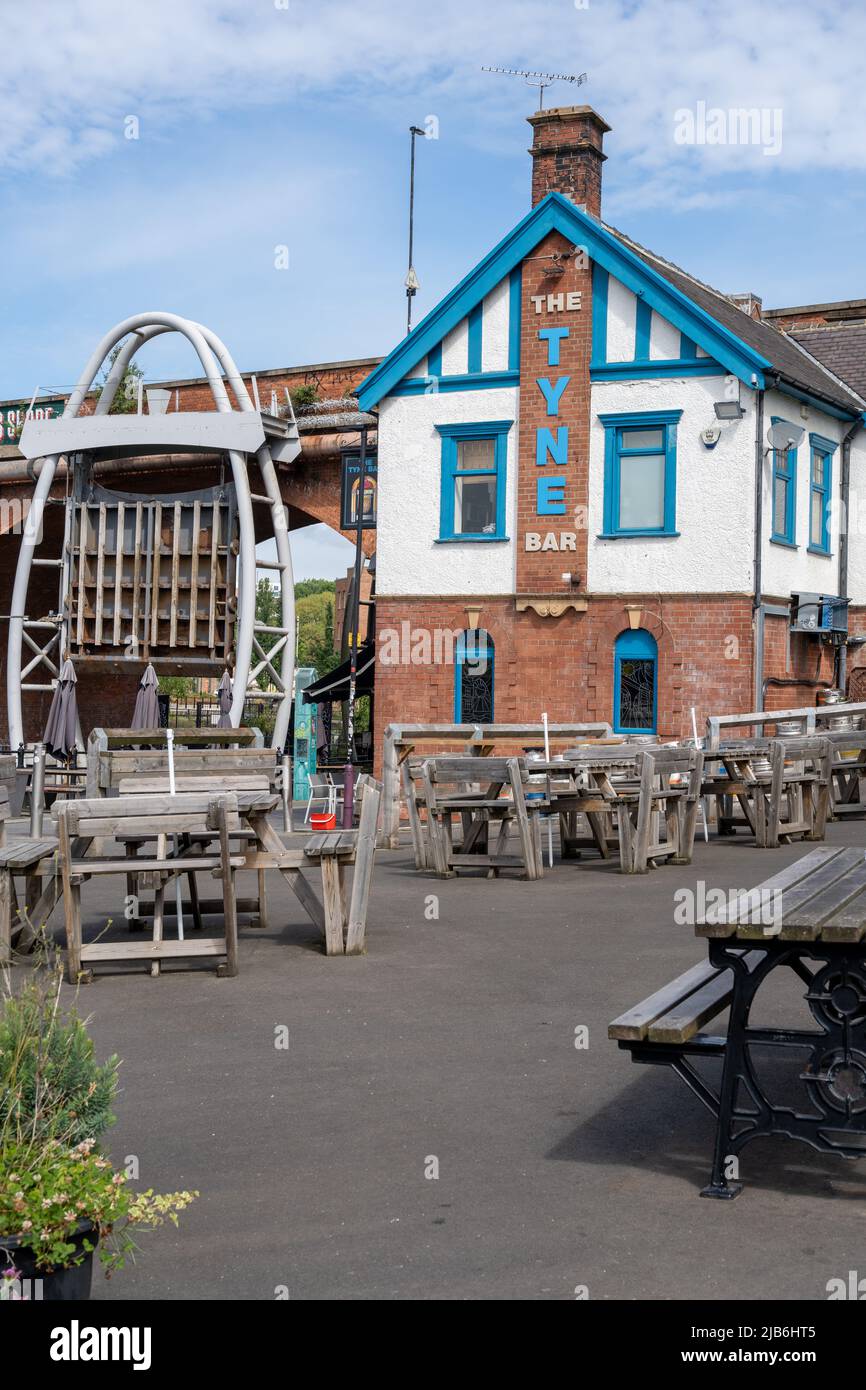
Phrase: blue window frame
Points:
(640, 473)
(820, 493)
(784, 517)
(473, 677)
(635, 684)
(472, 500)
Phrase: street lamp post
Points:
(411, 277)
(355, 621)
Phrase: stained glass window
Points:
(635, 682)
(473, 677)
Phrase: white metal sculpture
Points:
(225, 430)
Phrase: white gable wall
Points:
(494, 329)
(408, 559)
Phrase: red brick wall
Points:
(565, 665)
(541, 571)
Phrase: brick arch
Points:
(505, 664)
(600, 664)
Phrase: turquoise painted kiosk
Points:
(306, 724)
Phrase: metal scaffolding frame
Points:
(48, 640)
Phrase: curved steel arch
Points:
(212, 354)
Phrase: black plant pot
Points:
(71, 1284)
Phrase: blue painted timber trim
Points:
(434, 361)
(515, 287)
(599, 314)
(643, 318)
(633, 371)
(433, 385)
(476, 318)
(687, 347)
(556, 213)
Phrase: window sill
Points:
(636, 535)
(817, 550)
(780, 540)
(469, 540)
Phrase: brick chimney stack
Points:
(567, 155)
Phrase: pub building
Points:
(576, 486)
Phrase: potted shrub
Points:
(61, 1200)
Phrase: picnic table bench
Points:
(810, 919)
(848, 791)
(471, 790)
(782, 786)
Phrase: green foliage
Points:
(47, 1189)
(315, 616)
(51, 1085)
(178, 687)
(126, 396)
(305, 587)
(307, 394)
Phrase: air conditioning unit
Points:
(821, 614)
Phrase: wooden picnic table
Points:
(342, 922)
(782, 786)
(809, 919)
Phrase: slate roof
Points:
(841, 347)
(793, 355)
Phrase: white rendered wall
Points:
(787, 570)
(494, 329)
(408, 559)
(715, 497)
(621, 310)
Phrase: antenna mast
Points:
(541, 80)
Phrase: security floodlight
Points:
(728, 410)
(783, 436)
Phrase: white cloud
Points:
(81, 68)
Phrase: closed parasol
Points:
(146, 714)
(60, 731)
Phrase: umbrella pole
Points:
(549, 818)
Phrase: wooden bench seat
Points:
(23, 854)
(675, 1013)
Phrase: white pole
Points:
(172, 789)
(703, 807)
(549, 818)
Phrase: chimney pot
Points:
(567, 155)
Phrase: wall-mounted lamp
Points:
(728, 410)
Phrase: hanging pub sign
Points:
(351, 488)
(13, 417)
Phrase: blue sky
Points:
(264, 123)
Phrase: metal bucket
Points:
(832, 696)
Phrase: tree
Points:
(126, 396)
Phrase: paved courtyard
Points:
(450, 1047)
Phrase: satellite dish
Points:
(783, 435)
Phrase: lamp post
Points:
(411, 277)
(355, 619)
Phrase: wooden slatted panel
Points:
(794, 899)
(100, 575)
(805, 923)
(154, 581)
(193, 572)
(136, 577)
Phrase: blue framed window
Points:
(635, 683)
(472, 502)
(474, 657)
(820, 493)
(784, 519)
(640, 473)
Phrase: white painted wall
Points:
(715, 491)
(408, 560)
(857, 524)
(494, 329)
(786, 570)
(455, 350)
(664, 339)
(621, 311)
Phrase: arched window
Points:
(635, 683)
(473, 677)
